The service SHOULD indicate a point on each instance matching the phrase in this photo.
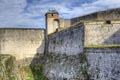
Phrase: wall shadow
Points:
(36, 63)
(113, 39)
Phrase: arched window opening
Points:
(56, 24)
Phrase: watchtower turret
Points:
(52, 21)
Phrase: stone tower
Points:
(52, 21)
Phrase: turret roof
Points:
(51, 12)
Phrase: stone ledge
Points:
(103, 46)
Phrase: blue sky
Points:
(30, 13)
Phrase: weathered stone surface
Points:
(100, 33)
(102, 15)
(21, 43)
(8, 69)
(104, 63)
(67, 58)
(64, 67)
(69, 41)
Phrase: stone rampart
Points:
(21, 42)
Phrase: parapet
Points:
(102, 15)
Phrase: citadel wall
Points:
(104, 63)
(68, 41)
(102, 33)
(74, 55)
(97, 40)
(101, 15)
(98, 62)
(21, 43)
(112, 14)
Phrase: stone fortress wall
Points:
(99, 25)
(96, 37)
(98, 33)
(99, 28)
(21, 42)
(113, 14)
(68, 41)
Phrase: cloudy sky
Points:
(30, 13)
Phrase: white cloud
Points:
(68, 11)
(20, 13)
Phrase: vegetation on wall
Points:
(84, 68)
(32, 72)
(7, 68)
(10, 70)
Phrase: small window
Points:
(52, 14)
(108, 22)
(65, 79)
(57, 30)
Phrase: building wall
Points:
(97, 63)
(69, 41)
(21, 43)
(67, 23)
(104, 63)
(50, 26)
(72, 54)
(100, 33)
(101, 15)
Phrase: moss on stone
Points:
(3, 56)
(26, 73)
(7, 67)
(84, 66)
(10, 70)
(85, 72)
(1, 78)
(37, 72)
(82, 58)
(33, 72)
